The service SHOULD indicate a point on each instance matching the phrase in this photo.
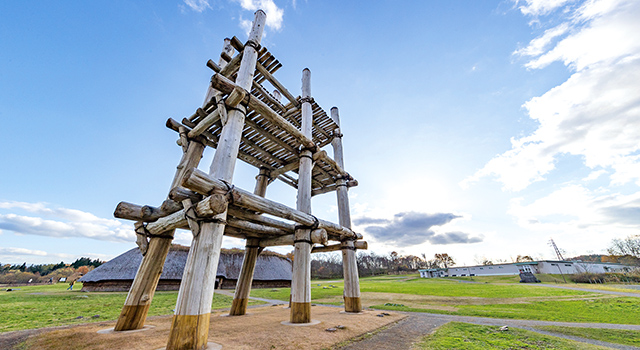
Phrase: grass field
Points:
(52, 305)
(500, 300)
(618, 336)
(455, 335)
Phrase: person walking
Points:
(71, 285)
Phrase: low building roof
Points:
(269, 267)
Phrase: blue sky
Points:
(476, 128)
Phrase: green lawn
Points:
(422, 286)
(455, 335)
(500, 300)
(609, 310)
(52, 305)
(618, 336)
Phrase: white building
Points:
(544, 266)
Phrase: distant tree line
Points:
(40, 273)
(329, 265)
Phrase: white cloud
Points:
(21, 251)
(198, 5)
(575, 210)
(64, 223)
(541, 7)
(275, 15)
(539, 45)
(595, 114)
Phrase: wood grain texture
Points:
(198, 281)
(189, 332)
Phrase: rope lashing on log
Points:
(194, 220)
(303, 241)
(253, 44)
(143, 235)
(312, 227)
(307, 99)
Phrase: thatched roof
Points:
(124, 267)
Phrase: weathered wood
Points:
(349, 264)
(134, 311)
(196, 290)
(276, 84)
(318, 236)
(335, 247)
(301, 277)
(128, 211)
(232, 67)
(245, 279)
(223, 84)
(243, 287)
(260, 219)
(200, 182)
(227, 51)
(208, 207)
(295, 164)
(254, 228)
(205, 123)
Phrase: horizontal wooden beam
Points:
(295, 164)
(335, 247)
(317, 236)
(201, 182)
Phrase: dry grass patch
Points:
(260, 329)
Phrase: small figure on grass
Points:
(71, 284)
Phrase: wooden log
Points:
(190, 324)
(140, 296)
(179, 194)
(200, 182)
(295, 164)
(245, 279)
(243, 287)
(223, 84)
(232, 67)
(208, 207)
(362, 245)
(205, 123)
(258, 218)
(301, 279)
(259, 229)
(318, 236)
(276, 84)
(351, 294)
(227, 51)
(128, 211)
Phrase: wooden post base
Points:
(300, 312)
(132, 317)
(238, 307)
(352, 304)
(189, 332)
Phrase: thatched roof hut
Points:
(272, 271)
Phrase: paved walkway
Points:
(409, 330)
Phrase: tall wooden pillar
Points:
(351, 294)
(190, 324)
(301, 283)
(136, 306)
(243, 287)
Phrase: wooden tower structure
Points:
(242, 120)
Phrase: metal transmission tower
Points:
(555, 247)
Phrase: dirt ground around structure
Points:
(449, 303)
(259, 329)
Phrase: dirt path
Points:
(407, 331)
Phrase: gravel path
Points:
(409, 330)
